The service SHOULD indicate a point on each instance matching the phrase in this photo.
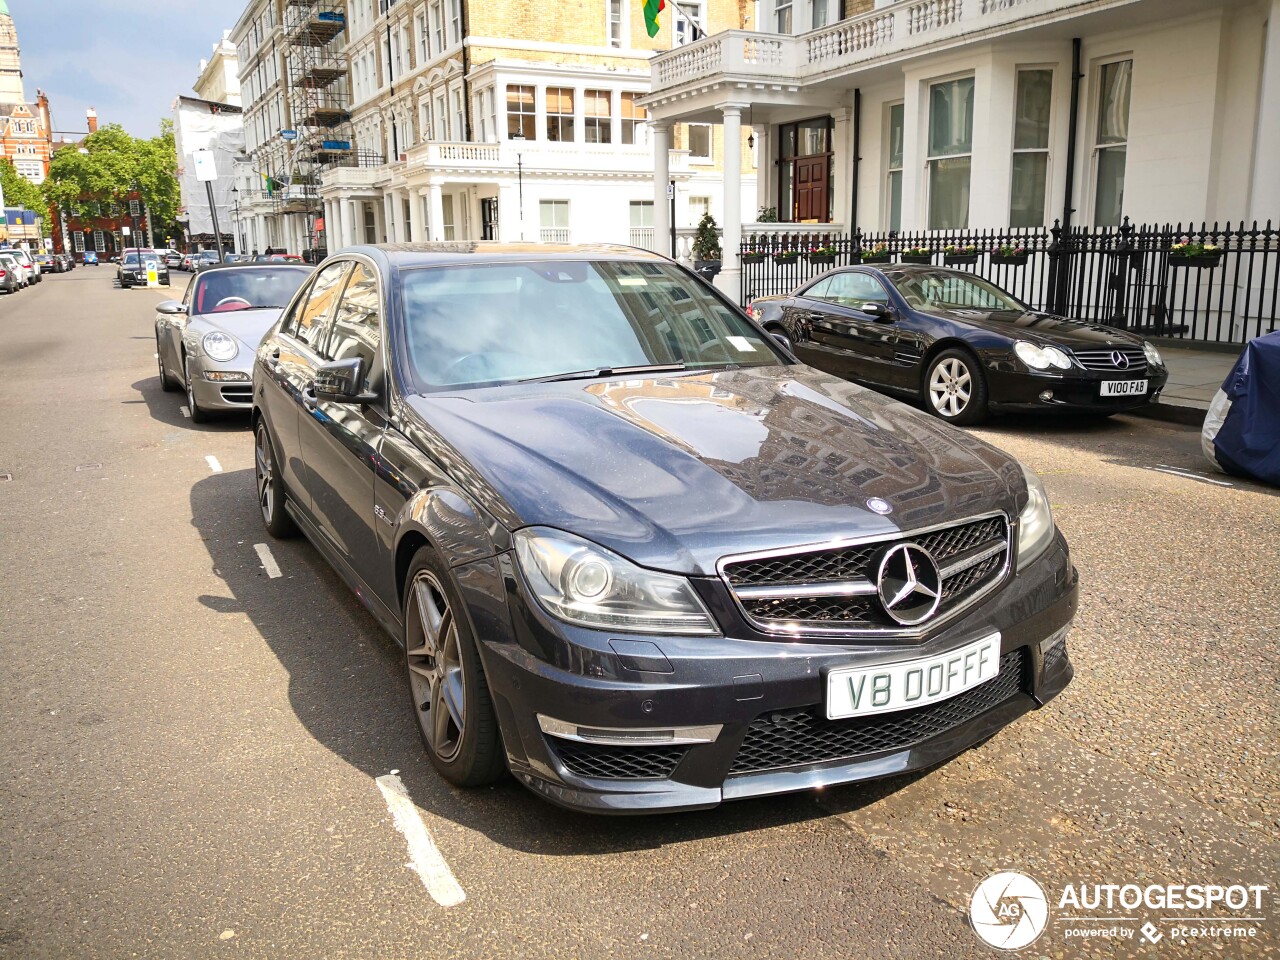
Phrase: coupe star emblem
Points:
(909, 584)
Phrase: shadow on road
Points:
(347, 687)
(167, 408)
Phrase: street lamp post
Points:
(519, 135)
(235, 215)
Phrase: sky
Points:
(128, 59)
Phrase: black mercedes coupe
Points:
(635, 552)
(960, 343)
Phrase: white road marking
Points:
(268, 561)
(1188, 475)
(185, 411)
(214, 465)
(426, 859)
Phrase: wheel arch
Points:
(941, 346)
(448, 522)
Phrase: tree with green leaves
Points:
(21, 192)
(110, 165)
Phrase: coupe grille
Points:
(833, 590)
(608, 762)
(797, 737)
(1104, 359)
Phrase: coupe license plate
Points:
(861, 691)
(1124, 388)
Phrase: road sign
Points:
(153, 274)
(206, 169)
(124, 231)
(135, 208)
(671, 191)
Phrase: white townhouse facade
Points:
(943, 115)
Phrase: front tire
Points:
(447, 688)
(270, 485)
(198, 413)
(955, 389)
(166, 381)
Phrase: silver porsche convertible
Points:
(205, 342)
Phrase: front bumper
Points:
(765, 695)
(1016, 389)
(214, 395)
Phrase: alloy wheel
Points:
(264, 468)
(950, 387)
(436, 670)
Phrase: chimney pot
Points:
(92, 116)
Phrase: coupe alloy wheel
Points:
(951, 387)
(265, 473)
(436, 668)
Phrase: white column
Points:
(842, 144)
(355, 223)
(339, 227)
(1264, 198)
(765, 176)
(661, 179)
(329, 241)
(435, 205)
(388, 217)
(730, 277)
(380, 220)
(416, 196)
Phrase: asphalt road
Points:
(189, 747)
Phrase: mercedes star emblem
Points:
(880, 506)
(1119, 359)
(909, 584)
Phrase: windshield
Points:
(242, 289)
(496, 323)
(950, 290)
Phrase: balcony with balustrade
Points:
(464, 160)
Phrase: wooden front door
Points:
(811, 177)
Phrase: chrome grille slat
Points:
(1102, 360)
(830, 590)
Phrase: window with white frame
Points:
(1030, 175)
(597, 116)
(560, 114)
(99, 241)
(950, 153)
(437, 28)
(641, 224)
(554, 221)
(689, 23)
(1111, 143)
(633, 118)
(617, 25)
(441, 118)
(420, 31)
(698, 141)
(424, 118)
(446, 217)
(782, 16)
(893, 164)
(455, 22)
(698, 208)
(77, 241)
(520, 112)
(821, 13)
(459, 115)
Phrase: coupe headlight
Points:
(579, 582)
(1035, 523)
(1153, 355)
(218, 346)
(1041, 358)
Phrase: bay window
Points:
(1111, 144)
(950, 153)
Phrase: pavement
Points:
(192, 746)
(1194, 377)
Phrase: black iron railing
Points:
(1127, 277)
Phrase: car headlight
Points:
(218, 346)
(1041, 358)
(1153, 355)
(1035, 523)
(579, 582)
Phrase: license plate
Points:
(861, 691)
(1123, 388)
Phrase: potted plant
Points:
(767, 215)
(877, 254)
(786, 256)
(706, 247)
(825, 254)
(916, 255)
(1193, 253)
(753, 256)
(1014, 255)
(958, 254)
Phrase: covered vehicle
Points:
(205, 341)
(1241, 433)
(960, 343)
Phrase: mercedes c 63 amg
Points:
(634, 551)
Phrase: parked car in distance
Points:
(12, 275)
(205, 259)
(90, 258)
(960, 344)
(173, 259)
(634, 551)
(34, 274)
(48, 264)
(205, 342)
(132, 270)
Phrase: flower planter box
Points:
(785, 258)
(754, 257)
(876, 258)
(822, 258)
(917, 258)
(955, 259)
(1010, 260)
(1202, 261)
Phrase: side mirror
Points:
(342, 381)
(171, 307)
(880, 311)
(783, 341)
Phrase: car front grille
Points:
(237, 393)
(1134, 360)
(832, 590)
(608, 762)
(797, 737)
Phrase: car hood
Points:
(676, 472)
(1042, 328)
(247, 326)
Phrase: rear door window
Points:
(310, 323)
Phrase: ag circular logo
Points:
(1009, 910)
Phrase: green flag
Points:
(651, 10)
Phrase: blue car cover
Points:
(1242, 430)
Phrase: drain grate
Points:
(88, 466)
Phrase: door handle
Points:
(309, 399)
(273, 360)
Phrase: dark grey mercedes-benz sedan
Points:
(634, 551)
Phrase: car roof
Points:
(242, 265)
(436, 254)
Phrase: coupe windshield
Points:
(950, 290)
(244, 289)
(495, 323)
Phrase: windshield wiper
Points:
(605, 372)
